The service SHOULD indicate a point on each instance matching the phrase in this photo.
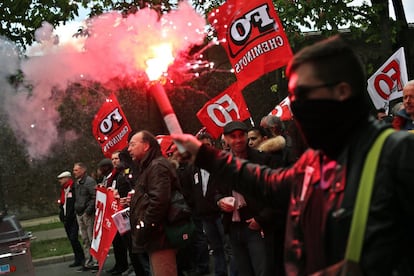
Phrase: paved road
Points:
(63, 269)
(59, 265)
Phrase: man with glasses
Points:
(329, 101)
(156, 179)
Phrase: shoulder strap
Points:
(363, 200)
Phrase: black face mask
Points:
(328, 124)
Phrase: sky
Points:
(408, 8)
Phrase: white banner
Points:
(387, 83)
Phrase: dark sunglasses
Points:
(300, 92)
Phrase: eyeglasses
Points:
(300, 92)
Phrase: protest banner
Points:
(110, 127)
(104, 228)
(387, 83)
(252, 35)
(282, 110)
(226, 107)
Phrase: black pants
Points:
(120, 253)
(72, 232)
(139, 261)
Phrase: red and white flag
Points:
(165, 142)
(387, 83)
(282, 110)
(252, 35)
(226, 107)
(104, 228)
(110, 127)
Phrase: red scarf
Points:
(111, 178)
(68, 183)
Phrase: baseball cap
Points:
(64, 174)
(105, 162)
(234, 125)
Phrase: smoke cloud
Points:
(116, 47)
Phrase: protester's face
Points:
(206, 142)
(137, 148)
(303, 85)
(254, 139)
(408, 99)
(78, 171)
(173, 153)
(237, 141)
(224, 144)
(115, 160)
(381, 115)
(63, 180)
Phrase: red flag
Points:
(104, 229)
(165, 142)
(110, 127)
(224, 108)
(252, 35)
(282, 110)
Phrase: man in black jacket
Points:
(67, 215)
(248, 222)
(149, 205)
(327, 89)
(200, 192)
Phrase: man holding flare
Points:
(329, 101)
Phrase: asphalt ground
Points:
(58, 265)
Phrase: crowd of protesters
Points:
(265, 200)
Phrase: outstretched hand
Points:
(191, 145)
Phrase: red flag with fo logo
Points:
(104, 228)
(282, 110)
(165, 142)
(387, 83)
(226, 107)
(252, 35)
(110, 127)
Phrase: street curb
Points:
(58, 259)
(53, 260)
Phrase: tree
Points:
(367, 24)
(20, 19)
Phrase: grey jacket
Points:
(85, 196)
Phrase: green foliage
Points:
(44, 227)
(50, 248)
(329, 17)
(20, 19)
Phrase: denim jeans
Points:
(249, 250)
(216, 238)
